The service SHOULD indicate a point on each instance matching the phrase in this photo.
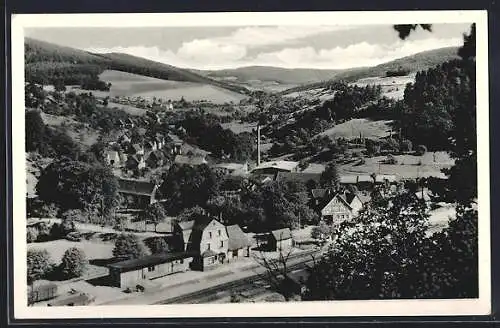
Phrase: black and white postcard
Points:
(251, 164)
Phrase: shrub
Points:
(44, 231)
(46, 210)
(31, 234)
(391, 160)
(406, 145)
(67, 226)
(157, 245)
(38, 264)
(421, 150)
(372, 147)
(73, 263)
(392, 145)
(74, 215)
(74, 236)
(55, 232)
(129, 246)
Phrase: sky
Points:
(320, 47)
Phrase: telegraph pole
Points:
(258, 144)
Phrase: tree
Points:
(129, 246)
(67, 226)
(158, 245)
(59, 85)
(372, 147)
(78, 185)
(31, 234)
(330, 176)
(185, 186)
(154, 213)
(191, 213)
(406, 145)
(376, 255)
(38, 264)
(322, 231)
(35, 130)
(277, 271)
(73, 263)
(421, 150)
(450, 260)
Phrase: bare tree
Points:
(277, 269)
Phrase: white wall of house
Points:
(356, 206)
(214, 237)
(337, 210)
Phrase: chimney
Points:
(258, 145)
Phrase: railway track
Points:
(212, 293)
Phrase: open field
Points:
(133, 85)
(392, 87)
(353, 128)
(409, 166)
(92, 249)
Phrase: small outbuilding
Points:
(130, 273)
(238, 243)
(280, 240)
(42, 292)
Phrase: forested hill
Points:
(410, 64)
(46, 62)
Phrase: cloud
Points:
(355, 55)
(259, 36)
(211, 54)
(207, 51)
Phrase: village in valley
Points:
(149, 185)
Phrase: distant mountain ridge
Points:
(305, 76)
(272, 74)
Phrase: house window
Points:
(210, 234)
(221, 243)
(151, 269)
(218, 231)
(208, 246)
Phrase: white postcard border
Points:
(480, 306)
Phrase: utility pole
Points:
(258, 144)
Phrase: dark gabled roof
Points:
(281, 234)
(348, 197)
(342, 198)
(202, 222)
(298, 176)
(150, 260)
(186, 225)
(237, 238)
(136, 187)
